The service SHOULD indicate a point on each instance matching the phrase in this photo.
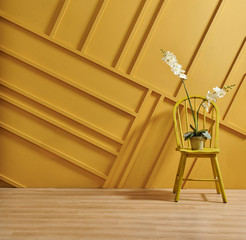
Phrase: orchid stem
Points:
(204, 100)
(193, 115)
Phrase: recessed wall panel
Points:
(39, 15)
(36, 167)
(55, 137)
(77, 21)
(113, 30)
(71, 66)
(179, 30)
(63, 96)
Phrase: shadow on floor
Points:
(148, 194)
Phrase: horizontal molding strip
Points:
(91, 59)
(57, 124)
(233, 127)
(11, 181)
(52, 150)
(67, 81)
(58, 110)
(79, 53)
(112, 69)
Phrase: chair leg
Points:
(180, 176)
(221, 184)
(177, 175)
(215, 176)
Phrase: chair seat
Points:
(204, 151)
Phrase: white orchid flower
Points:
(171, 60)
(183, 76)
(213, 96)
(206, 105)
(219, 92)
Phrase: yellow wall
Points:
(87, 101)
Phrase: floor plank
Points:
(72, 214)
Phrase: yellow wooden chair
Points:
(181, 117)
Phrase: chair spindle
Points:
(180, 127)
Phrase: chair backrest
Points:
(182, 116)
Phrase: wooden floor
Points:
(69, 214)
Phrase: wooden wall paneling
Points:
(235, 76)
(90, 59)
(37, 14)
(139, 36)
(67, 99)
(55, 140)
(103, 125)
(97, 62)
(58, 120)
(202, 40)
(94, 26)
(162, 152)
(75, 22)
(75, 69)
(150, 146)
(218, 51)
(237, 111)
(9, 183)
(5, 184)
(113, 30)
(129, 153)
(161, 10)
(145, 132)
(120, 57)
(230, 158)
(120, 163)
(71, 83)
(59, 18)
(188, 29)
(33, 105)
(38, 170)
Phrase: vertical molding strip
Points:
(133, 33)
(59, 19)
(142, 138)
(203, 38)
(150, 35)
(159, 160)
(239, 55)
(94, 26)
(118, 164)
(234, 97)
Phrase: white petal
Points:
(182, 75)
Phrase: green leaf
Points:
(206, 135)
(188, 135)
(202, 131)
(192, 128)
